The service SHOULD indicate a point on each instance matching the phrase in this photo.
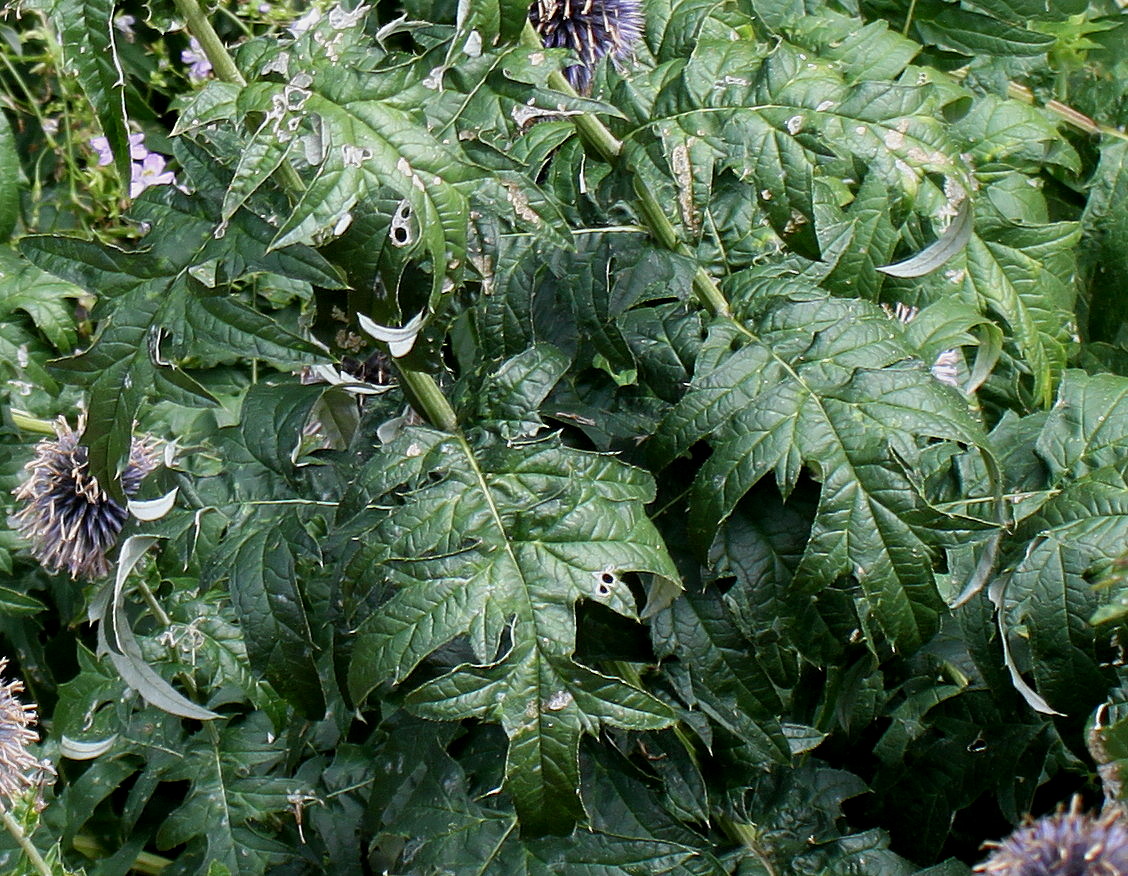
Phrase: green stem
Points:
(155, 607)
(28, 423)
(223, 65)
(25, 843)
(432, 403)
(430, 399)
(1072, 117)
(145, 862)
(746, 835)
(909, 18)
(610, 148)
(201, 28)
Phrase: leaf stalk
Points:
(27, 423)
(24, 842)
(610, 148)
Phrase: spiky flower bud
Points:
(18, 766)
(593, 29)
(1064, 844)
(69, 520)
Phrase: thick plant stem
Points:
(25, 844)
(27, 423)
(426, 394)
(610, 148)
(201, 28)
(224, 67)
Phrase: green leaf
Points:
(512, 394)
(14, 603)
(503, 541)
(117, 639)
(1075, 535)
(872, 51)
(1105, 222)
(1085, 430)
(10, 179)
(40, 296)
(258, 558)
(779, 123)
(971, 33)
(1006, 132)
(726, 681)
(1024, 274)
(272, 420)
(230, 788)
(826, 384)
(935, 255)
(152, 313)
(366, 144)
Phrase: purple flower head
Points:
(101, 147)
(593, 29)
(200, 67)
(149, 172)
(1064, 844)
(124, 23)
(66, 516)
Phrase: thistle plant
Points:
(68, 518)
(687, 541)
(1067, 843)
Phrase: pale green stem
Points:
(223, 65)
(430, 399)
(25, 843)
(145, 862)
(610, 148)
(28, 423)
(909, 18)
(746, 834)
(1072, 117)
(155, 607)
(201, 28)
(433, 404)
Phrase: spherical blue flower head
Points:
(1065, 844)
(68, 519)
(593, 29)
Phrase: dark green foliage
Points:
(722, 472)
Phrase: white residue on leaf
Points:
(520, 202)
(306, 22)
(354, 156)
(277, 64)
(683, 175)
(342, 224)
(561, 699)
(341, 19)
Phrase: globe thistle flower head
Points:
(593, 29)
(69, 520)
(18, 766)
(1064, 844)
